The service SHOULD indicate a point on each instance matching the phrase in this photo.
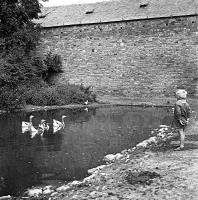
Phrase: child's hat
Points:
(181, 94)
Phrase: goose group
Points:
(42, 127)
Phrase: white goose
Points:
(57, 125)
(26, 125)
(41, 127)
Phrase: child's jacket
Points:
(181, 113)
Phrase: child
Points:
(181, 115)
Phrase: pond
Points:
(88, 135)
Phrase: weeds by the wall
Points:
(59, 95)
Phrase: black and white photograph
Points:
(98, 99)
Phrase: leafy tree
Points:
(17, 30)
(19, 36)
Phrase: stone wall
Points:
(143, 58)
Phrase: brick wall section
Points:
(145, 58)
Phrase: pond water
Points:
(66, 155)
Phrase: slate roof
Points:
(117, 10)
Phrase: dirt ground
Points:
(159, 174)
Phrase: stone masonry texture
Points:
(141, 58)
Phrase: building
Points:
(131, 48)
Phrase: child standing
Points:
(181, 115)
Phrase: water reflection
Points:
(81, 144)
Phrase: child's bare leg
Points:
(182, 138)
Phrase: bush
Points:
(59, 95)
(42, 97)
(9, 98)
(12, 96)
(53, 62)
(71, 93)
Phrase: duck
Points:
(86, 102)
(86, 109)
(57, 125)
(26, 125)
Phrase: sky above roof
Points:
(51, 3)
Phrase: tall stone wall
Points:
(144, 58)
